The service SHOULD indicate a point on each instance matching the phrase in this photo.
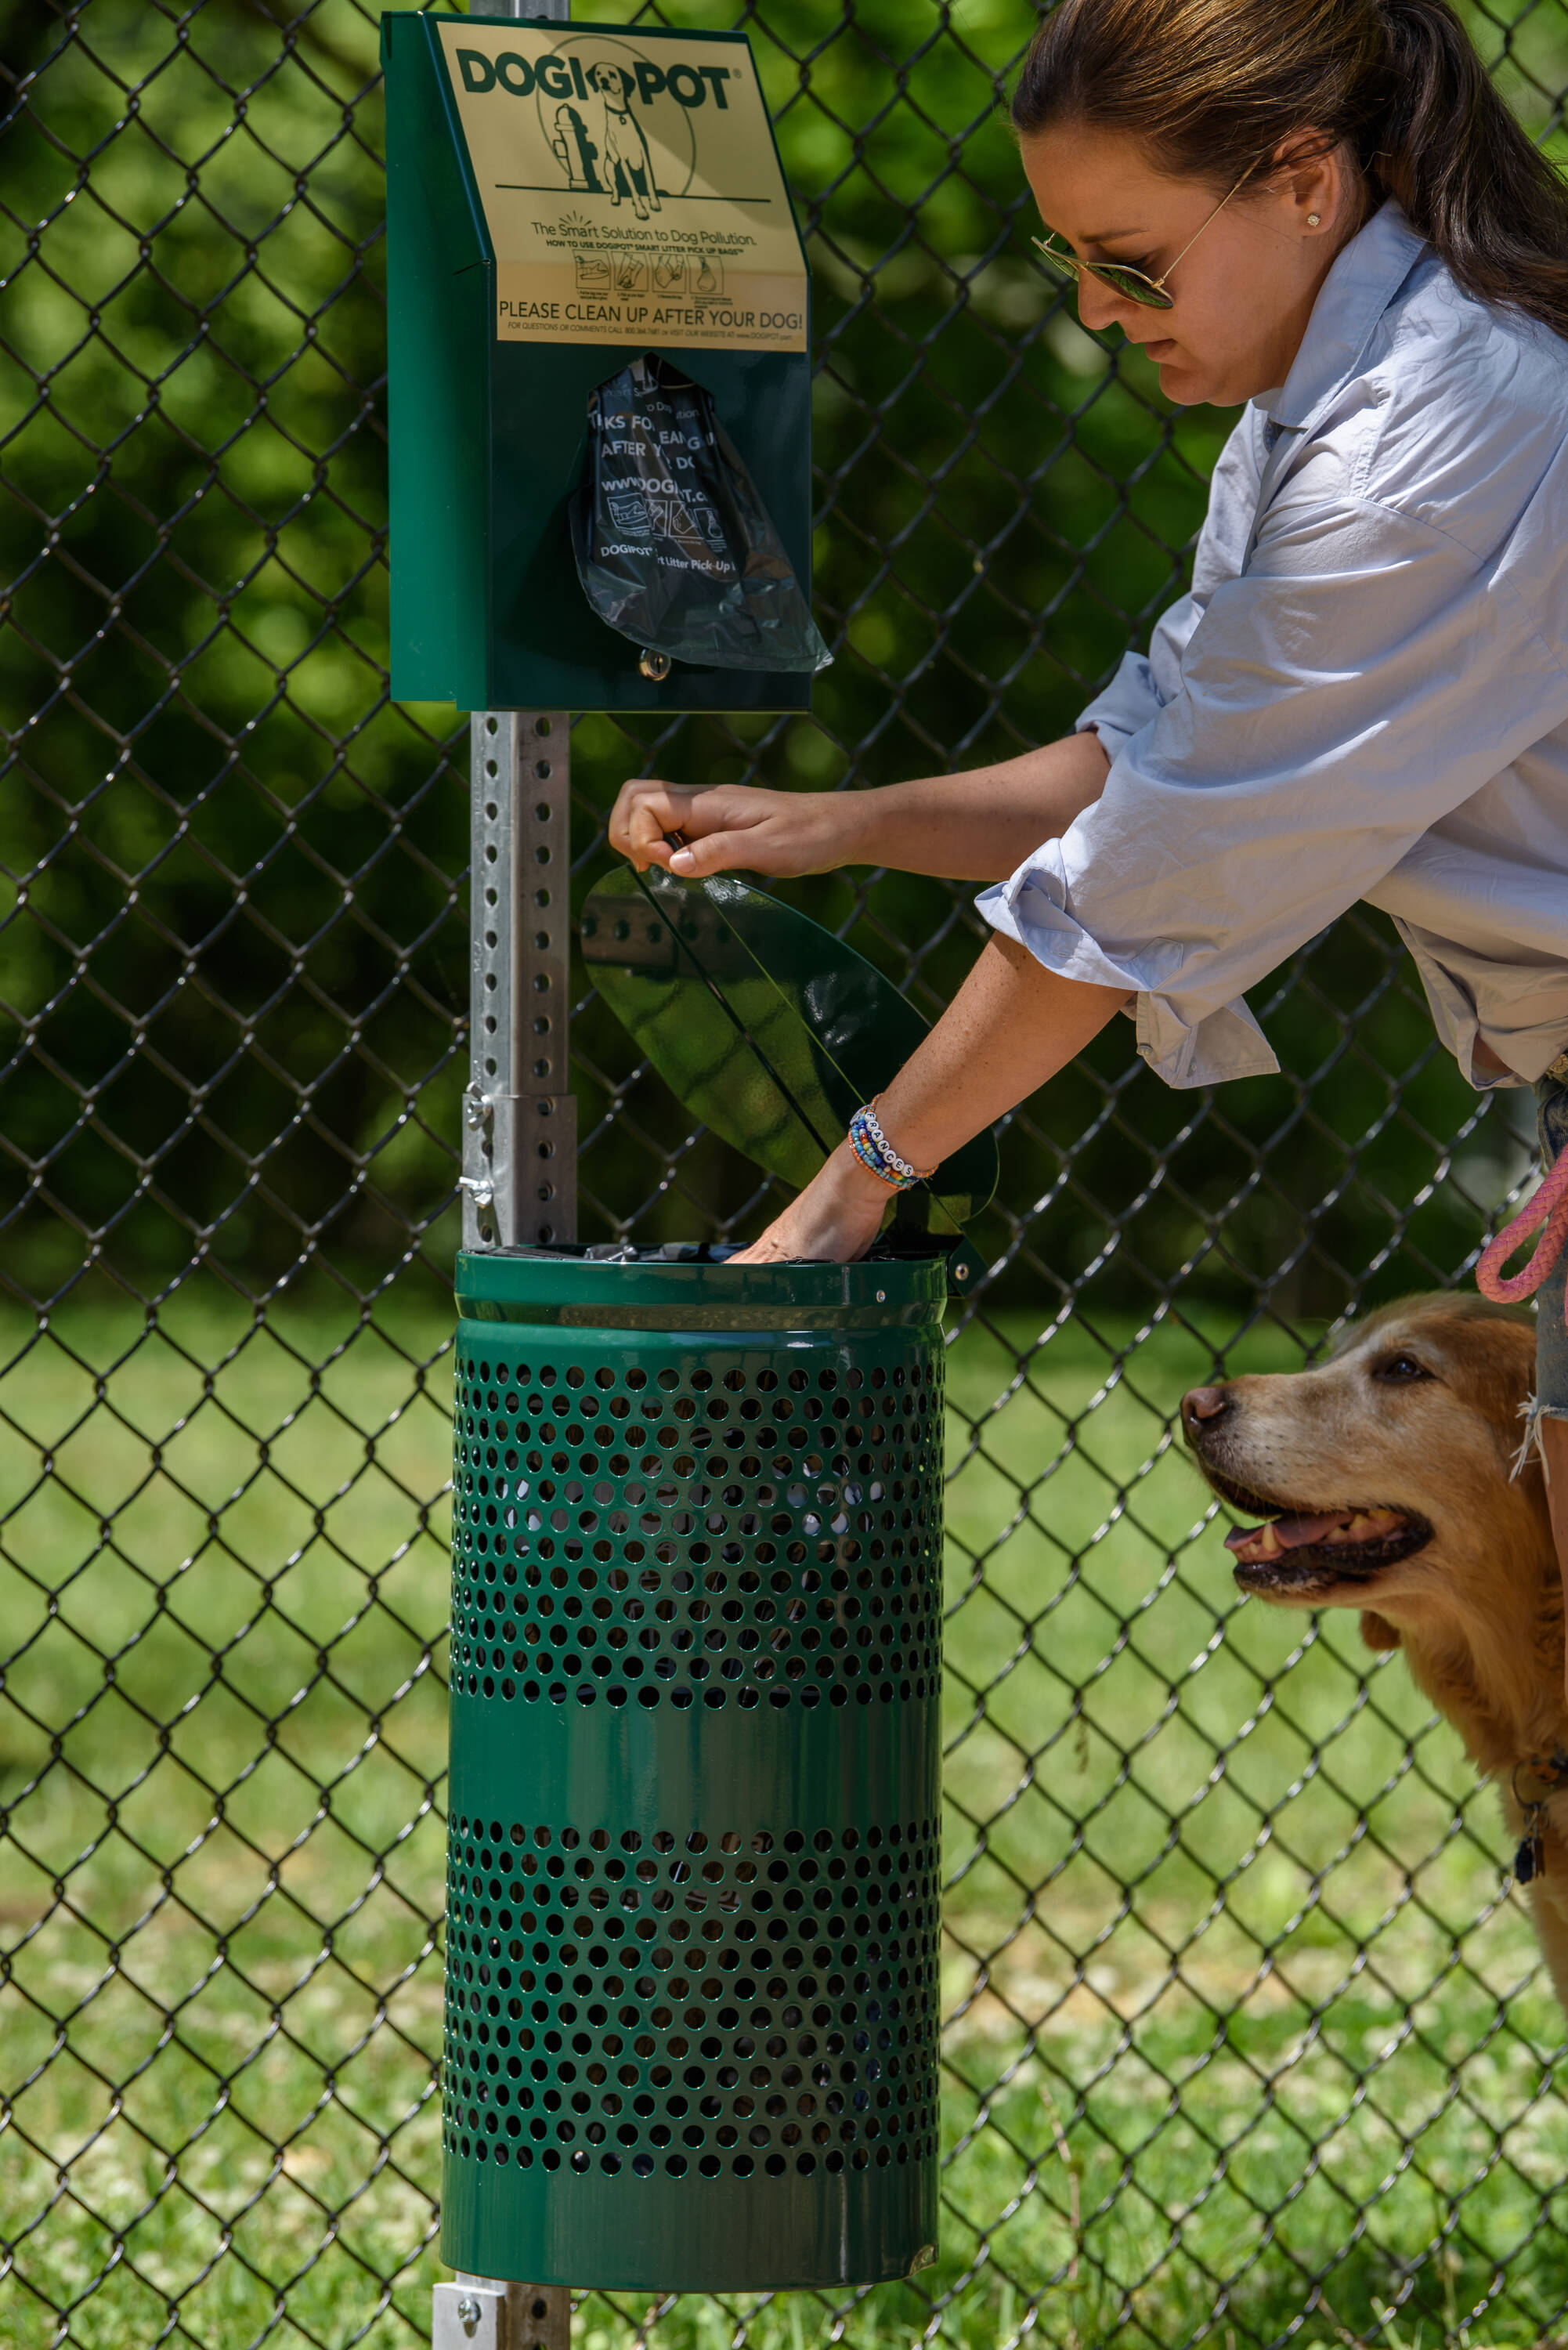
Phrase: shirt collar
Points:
(1364, 280)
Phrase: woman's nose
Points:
(1098, 307)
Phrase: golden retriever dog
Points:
(1384, 1480)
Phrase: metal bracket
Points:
(469, 2316)
(524, 1186)
(491, 2313)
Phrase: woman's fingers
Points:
(645, 812)
(695, 832)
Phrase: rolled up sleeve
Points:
(1361, 679)
(1131, 703)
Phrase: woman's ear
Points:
(1377, 1630)
(1312, 175)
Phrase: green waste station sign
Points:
(631, 189)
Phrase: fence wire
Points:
(1244, 2042)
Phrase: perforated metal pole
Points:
(519, 1143)
(519, 1149)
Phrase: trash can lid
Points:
(766, 1027)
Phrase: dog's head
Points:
(1382, 1477)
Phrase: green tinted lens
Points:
(1131, 284)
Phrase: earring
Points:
(1315, 220)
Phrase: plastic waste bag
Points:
(674, 547)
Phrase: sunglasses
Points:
(1134, 285)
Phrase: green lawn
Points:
(1236, 2002)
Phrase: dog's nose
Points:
(1202, 1405)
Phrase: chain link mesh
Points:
(1244, 2043)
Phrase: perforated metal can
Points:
(693, 1887)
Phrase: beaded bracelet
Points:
(876, 1154)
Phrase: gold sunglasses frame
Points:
(1121, 277)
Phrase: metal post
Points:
(519, 1148)
(519, 1143)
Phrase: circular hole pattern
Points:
(758, 1536)
(742, 2005)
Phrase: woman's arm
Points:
(976, 827)
(1362, 681)
(1011, 1025)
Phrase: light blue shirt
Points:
(1364, 696)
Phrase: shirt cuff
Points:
(1131, 703)
(1209, 1050)
(1453, 1011)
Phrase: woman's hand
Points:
(834, 1220)
(728, 825)
(1011, 1025)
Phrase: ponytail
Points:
(1210, 86)
(1458, 161)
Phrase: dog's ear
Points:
(1377, 1630)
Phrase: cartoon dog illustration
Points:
(600, 145)
(624, 159)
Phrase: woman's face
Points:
(1242, 296)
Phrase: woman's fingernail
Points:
(681, 860)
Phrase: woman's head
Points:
(1244, 266)
(1318, 107)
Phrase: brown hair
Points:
(1210, 86)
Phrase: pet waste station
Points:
(693, 1880)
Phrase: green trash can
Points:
(693, 1890)
(693, 1898)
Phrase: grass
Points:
(1245, 2039)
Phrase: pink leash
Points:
(1548, 1206)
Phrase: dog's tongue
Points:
(1253, 1545)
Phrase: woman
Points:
(1325, 211)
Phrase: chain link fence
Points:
(1245, 2043)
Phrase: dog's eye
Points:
(1401, 1366)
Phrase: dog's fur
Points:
(1417, 1412)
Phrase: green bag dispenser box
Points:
(563, 198)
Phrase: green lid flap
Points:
(766, 1027)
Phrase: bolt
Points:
(469, 2312)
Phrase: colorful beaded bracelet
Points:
(876, 1154)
